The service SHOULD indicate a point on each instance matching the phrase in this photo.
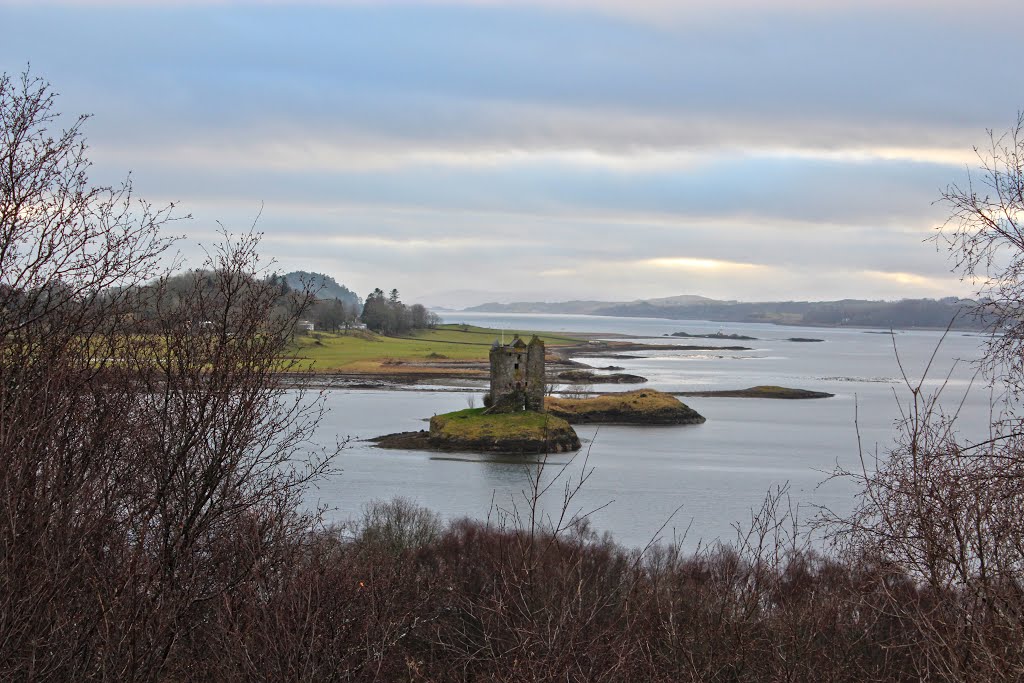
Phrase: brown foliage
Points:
(482, 602)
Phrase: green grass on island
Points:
(360, 351)
(523, 431)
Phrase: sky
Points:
(506, 150)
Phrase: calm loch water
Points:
(712, 473)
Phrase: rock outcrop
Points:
(590, 377)
(759, 392)
(642, 407)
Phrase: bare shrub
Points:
(398, 525)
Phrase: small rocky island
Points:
(763, 391)
(643, 407)
(513, 419)
(521, 432)
(518, 418)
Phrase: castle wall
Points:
(517, 376)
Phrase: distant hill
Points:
(929, 313)
(680, 300)
(575, 307)
(325, 286)
(587, 307)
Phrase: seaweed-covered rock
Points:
(590, 377)
(642, 407)
(406, 441)
(759, 392)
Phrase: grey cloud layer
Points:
(447, 73)
(809, 142)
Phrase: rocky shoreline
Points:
(471, 375)
(402, 374)
(421, 441)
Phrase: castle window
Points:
(516, 366)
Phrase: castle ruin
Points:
(517, 376)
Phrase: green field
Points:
(362, 351)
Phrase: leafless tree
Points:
(149, 465)
(577, 390)
(985, 238)
(941, 516)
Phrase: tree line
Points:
(382, 314)
(386, 314)
(337, 308)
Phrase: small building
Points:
(306, 326)
(517, 376)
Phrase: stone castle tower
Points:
(517, 376)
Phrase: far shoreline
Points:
(881, 329)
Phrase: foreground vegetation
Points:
(407, 598)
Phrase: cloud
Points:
(518, 77)
(650, 9)
(791, 191)
(686, 263)
(416, 245)
(608, 149)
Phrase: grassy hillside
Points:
(361, 351)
